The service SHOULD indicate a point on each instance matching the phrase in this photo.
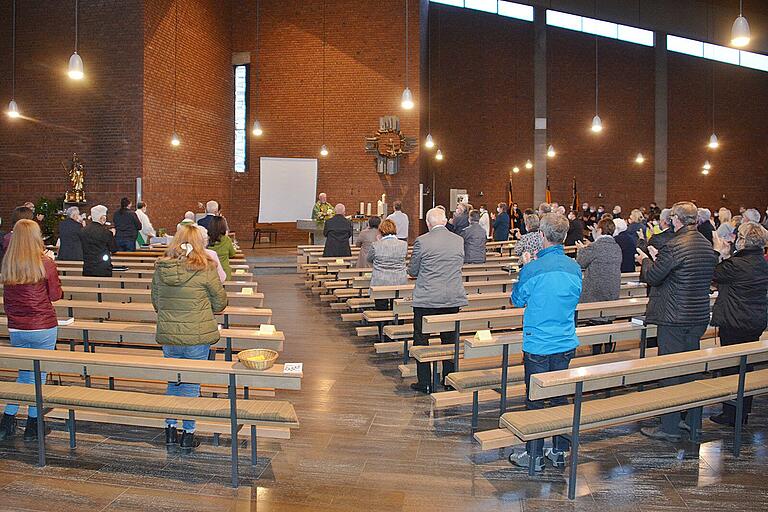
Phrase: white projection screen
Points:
(287, 189)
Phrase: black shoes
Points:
(30, 430)
(727, 419)
(7, 427)
(188, 442)
(420, 388)
(171, 436)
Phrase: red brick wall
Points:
(200, 169)
(98, 117)
(364, 79)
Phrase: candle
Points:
(362, 208)
(379, 208)
(369, 209)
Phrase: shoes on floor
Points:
(725, 420)
(188, 442)
(557, 458)
(171, 436)
(30, 430)
(658, 434)
(7, 427)
(420, 388)
(523, 460)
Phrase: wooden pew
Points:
(144, 265)
(141, 283)
(121, 404)
(142, 273)
(521, 426)
(254, 300)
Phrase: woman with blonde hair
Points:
(30, 285)
(186, 293)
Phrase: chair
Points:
(259, 229)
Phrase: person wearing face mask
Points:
(741, 305)
(485, 221)
(460, 219)
(501, 224)
(98, 244)
(600, 212)
(530, 243)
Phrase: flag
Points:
(548, 197)
(575, 201)
(509, 191)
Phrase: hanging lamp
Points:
(75, 68)
(740, 34)
(515, 169)
(551, 151)
(257, 130)
(597, 123)
(407, 98)
(528, 164)
(707, 166)
(175, 140)
(429, 143)
(639, 159)
(439, 155)
(13, 107)
(324, 148)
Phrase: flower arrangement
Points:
(324, 212)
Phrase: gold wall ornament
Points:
(389, 145)
(76, 173)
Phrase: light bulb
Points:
(175, 140)
(75, 70)
(13, 110)
(407, 101)
(639, 158)
(551, 151)
(705, 172)
(439, 155)
(740, 35)
(257, 131)
(515, 169)
(528, 164)
(429, 143)
(713, 142)
(707, 166)
(323, 150)
(597, 124)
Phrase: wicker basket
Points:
(250, 360)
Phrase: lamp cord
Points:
(325, 42)
(406, 44)
(256, 59)
(13, 72)
(76, 2)
(175, 59)
(597, 78)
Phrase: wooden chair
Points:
(259, 228)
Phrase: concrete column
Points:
(661, 121)
(539, 105)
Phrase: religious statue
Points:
(389, 145)
(76, 173)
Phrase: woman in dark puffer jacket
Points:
(740, 310)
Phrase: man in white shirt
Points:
(485, 221)
(401, 221)
(147, 230)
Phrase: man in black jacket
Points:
(70, 248)
(682, 271)
(740, 310)
(98, 244)
(337, 232)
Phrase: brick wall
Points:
(364, 79)
(200, 169)
(98, 117)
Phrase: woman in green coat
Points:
(219, 241)
(186, 293)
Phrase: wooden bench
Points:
(144, 312)
(144, 265)
(121, 404)
(142, 283)
(521, 426)
(142, 273)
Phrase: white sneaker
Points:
(523, 460)
(556, 458)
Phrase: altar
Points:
(315, 230)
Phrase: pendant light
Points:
(707, 166)
(515, 169)
(429, 143)
(551, 151)
(175, 140)
(597, 123)
(257, 130)
(639, 159)
(528, 164)
(407, 99)
(13, 107)
(705, 172)
(713, 142)
(75, 69)
(740, 35)
(323, 148)
(439, 155)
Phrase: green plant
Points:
(52, 210)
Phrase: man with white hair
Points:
(752, 215)
(70, 248)
(211, 211)
(436, 264)
(460, 219)
(337, 232)
(705, 226)
(98, 244)
(544, 208)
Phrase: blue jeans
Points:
(125, 245)
(45, 340)
(533, 364)
(184, 388)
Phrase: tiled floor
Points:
(368, 443)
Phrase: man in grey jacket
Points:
(436, 264)
(474, 239)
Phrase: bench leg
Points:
(253, 445)
(739, 407)
(435, 376)
(40, 414)
(112, 383)
(72, 429)
(475, 407)
(380, 327)
(504, 378)
(233, 427)
(575, 441)
(405, 351)
(216, 438)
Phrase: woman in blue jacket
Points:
(501, 224)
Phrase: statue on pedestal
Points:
(76, 173)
